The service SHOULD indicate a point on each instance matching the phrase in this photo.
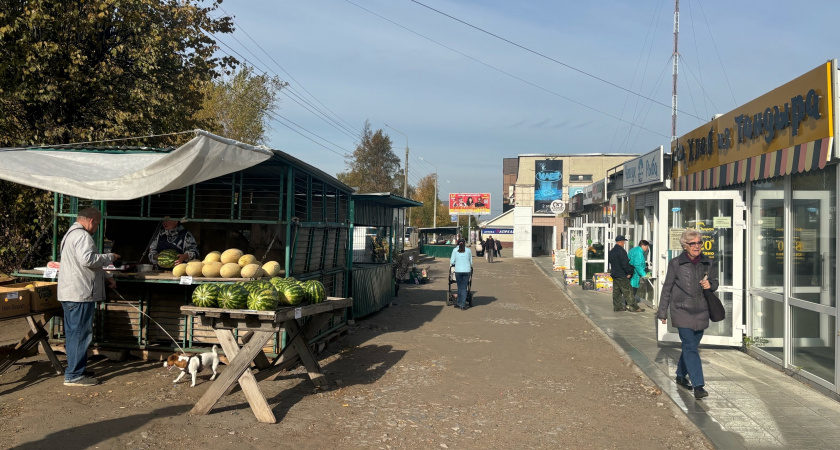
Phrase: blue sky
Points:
(465, 107)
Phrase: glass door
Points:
(719, 217)
(597, 249)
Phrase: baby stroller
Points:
(452, 295)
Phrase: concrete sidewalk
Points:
(750, 404)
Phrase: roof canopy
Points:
(386, 198)
(98, 175)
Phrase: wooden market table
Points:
(36, 335)
(260, 326)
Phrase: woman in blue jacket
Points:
(462, 260)
(637, 260)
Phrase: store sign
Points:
(795, 113)
(644, 170)
(548, 183)
(558, 207)
(496, 231)
(469, 203)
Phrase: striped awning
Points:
(790, 160)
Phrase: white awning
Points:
(123, 176)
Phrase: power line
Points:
(542, 55)
(287, 73)
(723, 68)
(505, 73)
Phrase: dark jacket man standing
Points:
(621, 271)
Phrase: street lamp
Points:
(405, 186)
(434, 218)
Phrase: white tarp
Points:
(125, 176)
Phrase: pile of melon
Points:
(259, 295)
(232, 263)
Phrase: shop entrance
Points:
(720, 217)
(596, 249)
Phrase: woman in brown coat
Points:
(682, 295)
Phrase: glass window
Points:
(768, 325)
(813, 343)
(717, 242)
(767, 217)
(814, 223)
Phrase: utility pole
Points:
(676, 57)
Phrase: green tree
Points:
(77, 70)
(374, 166)
(423, 216)
(238, 106)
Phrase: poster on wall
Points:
(548, 184)
(469, 203)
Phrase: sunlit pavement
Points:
(750, 404)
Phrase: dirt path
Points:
(521, 369)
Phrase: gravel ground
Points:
(521, 369)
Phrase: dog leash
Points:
(150, 318)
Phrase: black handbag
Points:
(716, 311)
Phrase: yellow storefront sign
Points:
(795, 113)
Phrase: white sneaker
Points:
(82, 381)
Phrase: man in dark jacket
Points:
(621, 271)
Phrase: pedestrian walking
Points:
(621, 272)
(638, 260)
(81, 283)
(498, 248)
(682, 296)
(462, 260)
(489, 248)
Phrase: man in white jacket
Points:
(81, 283)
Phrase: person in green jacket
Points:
(638, 261)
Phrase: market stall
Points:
(378, 222)
(228, 195)
(438, 241)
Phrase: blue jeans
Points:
(462, 278)
(689, 363)
(78, 334)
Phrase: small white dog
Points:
(193, 364)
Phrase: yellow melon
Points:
(271, 268)
(231, 255)
(230, 270)
(212, 270)
(213, 256)
(252, 271)
(193, 268)
(247, 259)
(179, 271)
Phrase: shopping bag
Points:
(716, 311)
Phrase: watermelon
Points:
(233, 296)
(263, 300)
(292, 294)
(206, 295)
(167, 258)
(315, 291)
(277, 282)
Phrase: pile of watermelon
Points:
(259, 295)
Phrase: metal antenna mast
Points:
(676, 57)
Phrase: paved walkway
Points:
(750, 404)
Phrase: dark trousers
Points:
(78, 334)
(621, 292)
(689, 363)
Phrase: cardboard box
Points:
(42, 294)
(13, 302)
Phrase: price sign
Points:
(298, 313)
(50, 273)
(186, 280)
(12, 296)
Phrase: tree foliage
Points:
(373, 167)
(77, 70)
(238, 106)
(423, 216)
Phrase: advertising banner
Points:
(548, 184)
(469, 203)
